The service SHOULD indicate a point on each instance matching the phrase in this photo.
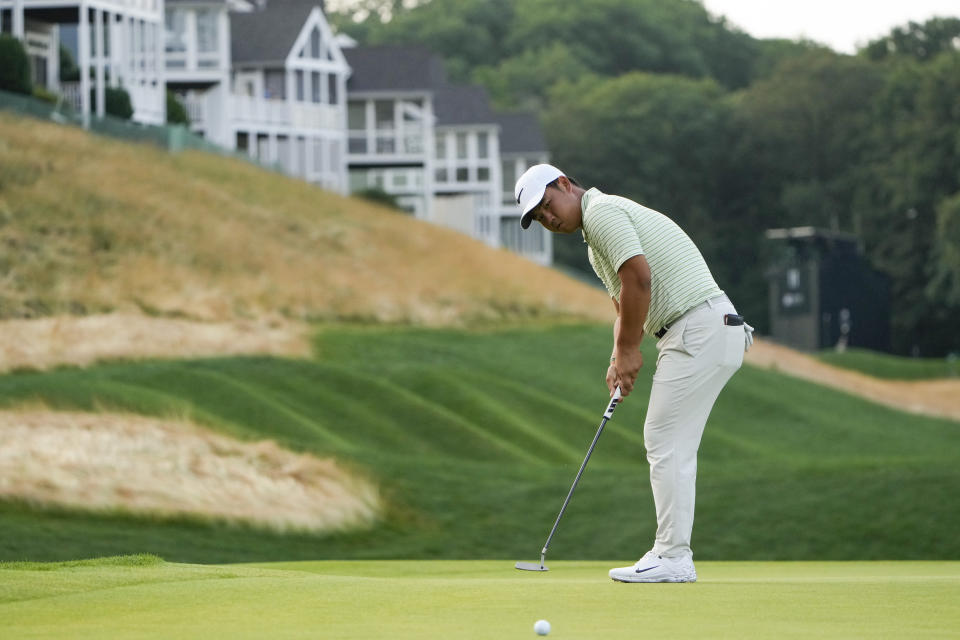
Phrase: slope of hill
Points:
(474, 438)
(471, 431)
(90, 225)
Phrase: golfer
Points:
(660, 286)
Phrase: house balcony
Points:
(258, 112)
(386, 145)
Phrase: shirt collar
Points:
(585, 200)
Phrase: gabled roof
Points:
(267, 36)
(394, 68)
(520, 133)
(462, 104)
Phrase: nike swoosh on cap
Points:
(520, 194)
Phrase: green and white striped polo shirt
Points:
(616, 229)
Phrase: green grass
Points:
(882, 365)
(475, 438)
(475, 599)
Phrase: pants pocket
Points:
(733, 347)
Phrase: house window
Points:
(315, 44)
(384, 114)
(332, 88)
(483, 174)
(461, 146)
(298, 75)
(357, 116)
(441, 143)
(207, 36)
(483, 145)
(243, 141)
(275, 80)
(315, 87)
(176, 31)
(463, 174)
(440, 175)
(507, 172)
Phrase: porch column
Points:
(83, 53)
(18, 30)
(53, 61)
(160, 70)
(98, 61)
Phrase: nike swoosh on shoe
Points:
(647, 569)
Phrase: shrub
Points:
(14, 66)
(117, 102)
(176, 112)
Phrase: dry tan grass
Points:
(47, 342)
(90, 225)
(938, 398)
(110, 462)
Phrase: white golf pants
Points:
(697, 356)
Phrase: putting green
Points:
(475, 599)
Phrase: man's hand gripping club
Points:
(626, 361)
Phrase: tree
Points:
(14, 66)
(918, 41)
(913, 157)
(944, 284)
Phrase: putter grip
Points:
(614, 401)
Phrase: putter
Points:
(533, 566)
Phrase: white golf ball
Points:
(542, 627)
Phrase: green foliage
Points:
(918, 41)
(378, 195)
(502, 427)
(69, 71)
(14, 66)
(116, 102)
(945, 282)
(176, 112)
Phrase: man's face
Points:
(559, 211)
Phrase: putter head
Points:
(532, 566)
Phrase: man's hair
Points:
(571, 179)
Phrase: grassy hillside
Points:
(882, 365)
(92, 225)
(473, 434)
(475, 438)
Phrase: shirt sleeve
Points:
(612, 235)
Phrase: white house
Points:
(269, 78)
(119, 44)
(267, 81)
(438, 148)
(390, 122)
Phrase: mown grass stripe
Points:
(280, 407)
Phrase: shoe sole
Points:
(650, 581)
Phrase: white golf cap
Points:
(530, 187)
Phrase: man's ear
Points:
(564, 183)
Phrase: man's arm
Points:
(628, 329)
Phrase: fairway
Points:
(133, 597)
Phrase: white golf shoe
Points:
(653, 568)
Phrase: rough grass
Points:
(111, 462)
(43, 343)
(91, 225)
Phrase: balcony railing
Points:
(304, 115)
(386, 142)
